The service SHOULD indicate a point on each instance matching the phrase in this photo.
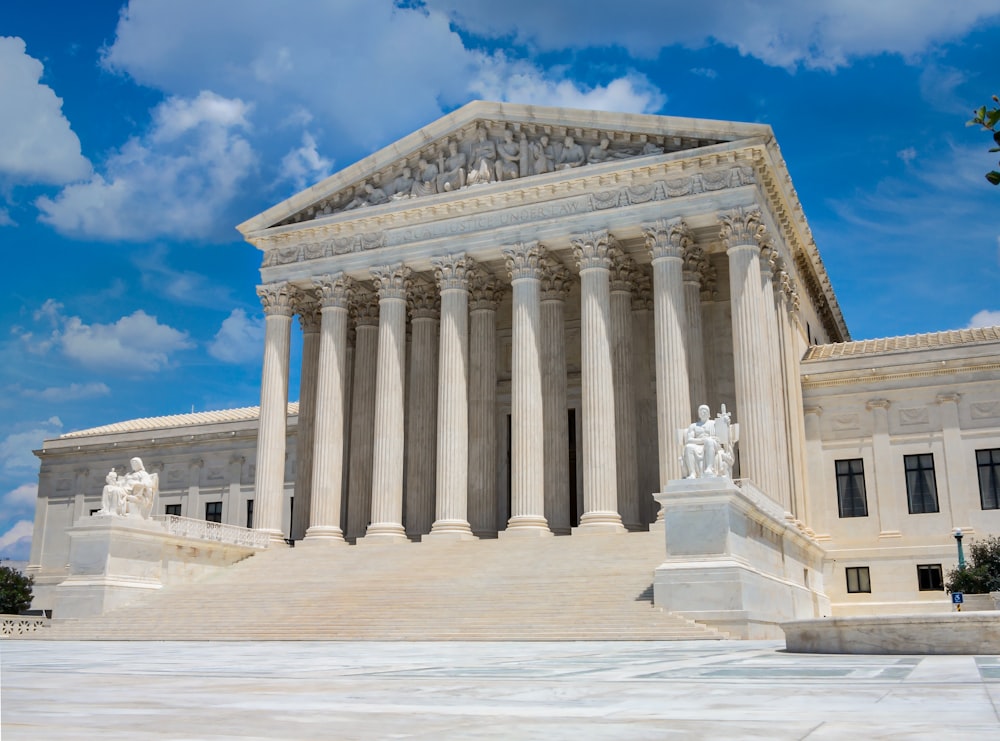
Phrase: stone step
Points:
(562, 588)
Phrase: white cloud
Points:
(176, 181)
(985, 318)
(183, 286)
(72, 392)
(783, 33)
(136, 343)
(5, 218)
(907, 155)
(38, 144)
(500, 79)
(16, 457)
(15, 544)
(304, 165)
(239, 339)
(20, 500)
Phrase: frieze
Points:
(625, 196)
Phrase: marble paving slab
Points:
(578, 690)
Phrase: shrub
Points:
(15, 591)
(982, 572)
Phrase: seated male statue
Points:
(708, 445)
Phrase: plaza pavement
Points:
(570, 690)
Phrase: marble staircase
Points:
(595, 587)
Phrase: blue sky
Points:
(135, 136)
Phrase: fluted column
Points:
(387, 454)
(791, 354)
(527, 487)
(452, 507)
(555, 285)
(623, 282)
(741, 231)
(331, 402)
(421, 419)
(307, 308)
(365, 311)
(694, 266)
(779, 449)
(600, 471)
(667, 241)
(269, 482)
(645, 399)
(485, 295)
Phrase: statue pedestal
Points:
(111, 561)
(734, 561)
(116, 560)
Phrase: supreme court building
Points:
(506, 318)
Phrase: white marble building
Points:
(506, 318)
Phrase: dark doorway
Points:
(574, 512)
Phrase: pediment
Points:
(488, 143)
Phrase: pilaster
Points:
(889, 511)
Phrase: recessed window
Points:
(930, 578)
(858, 579)
(851, 499)
(988, 467)
(94, 512)
(921, 488)
(249, 513)
(213, 511)
(173, 509)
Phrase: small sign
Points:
(957, 598)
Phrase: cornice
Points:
(864, 379)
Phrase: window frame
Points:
(175, 507)
(859, 582)
(936, 578)
(211, 515)
(848, 478)
(916, 468)
(249, 514)
(993, 468)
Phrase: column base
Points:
(322, 536)
(275, 539)
(526, 525)
(600, 522)
(449, 530)
(380, 533)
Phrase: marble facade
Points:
(506, 318)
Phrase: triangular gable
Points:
(483, 142)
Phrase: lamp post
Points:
(961, 556)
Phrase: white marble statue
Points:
(509, 157)
(571, 155)
(708, 445)
(131, 494)
(484, 157)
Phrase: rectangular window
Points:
(173, 509)
(249, 513)
(921, 489)
(851, 497)
(94, 512)
(858, 579)
(988, 467)
(930, 578)
(213, 511)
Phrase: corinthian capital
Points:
(667, 238)
(364, 307)
(306, 305)
(741, 227)
(334, 290)
(451, 272)
(423, 301)
(276, 298)
(593, 250)
(485, 291)
(391, 281)
(556, 280)
(523, 260)
(624, 272)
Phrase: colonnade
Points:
(430, 434)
